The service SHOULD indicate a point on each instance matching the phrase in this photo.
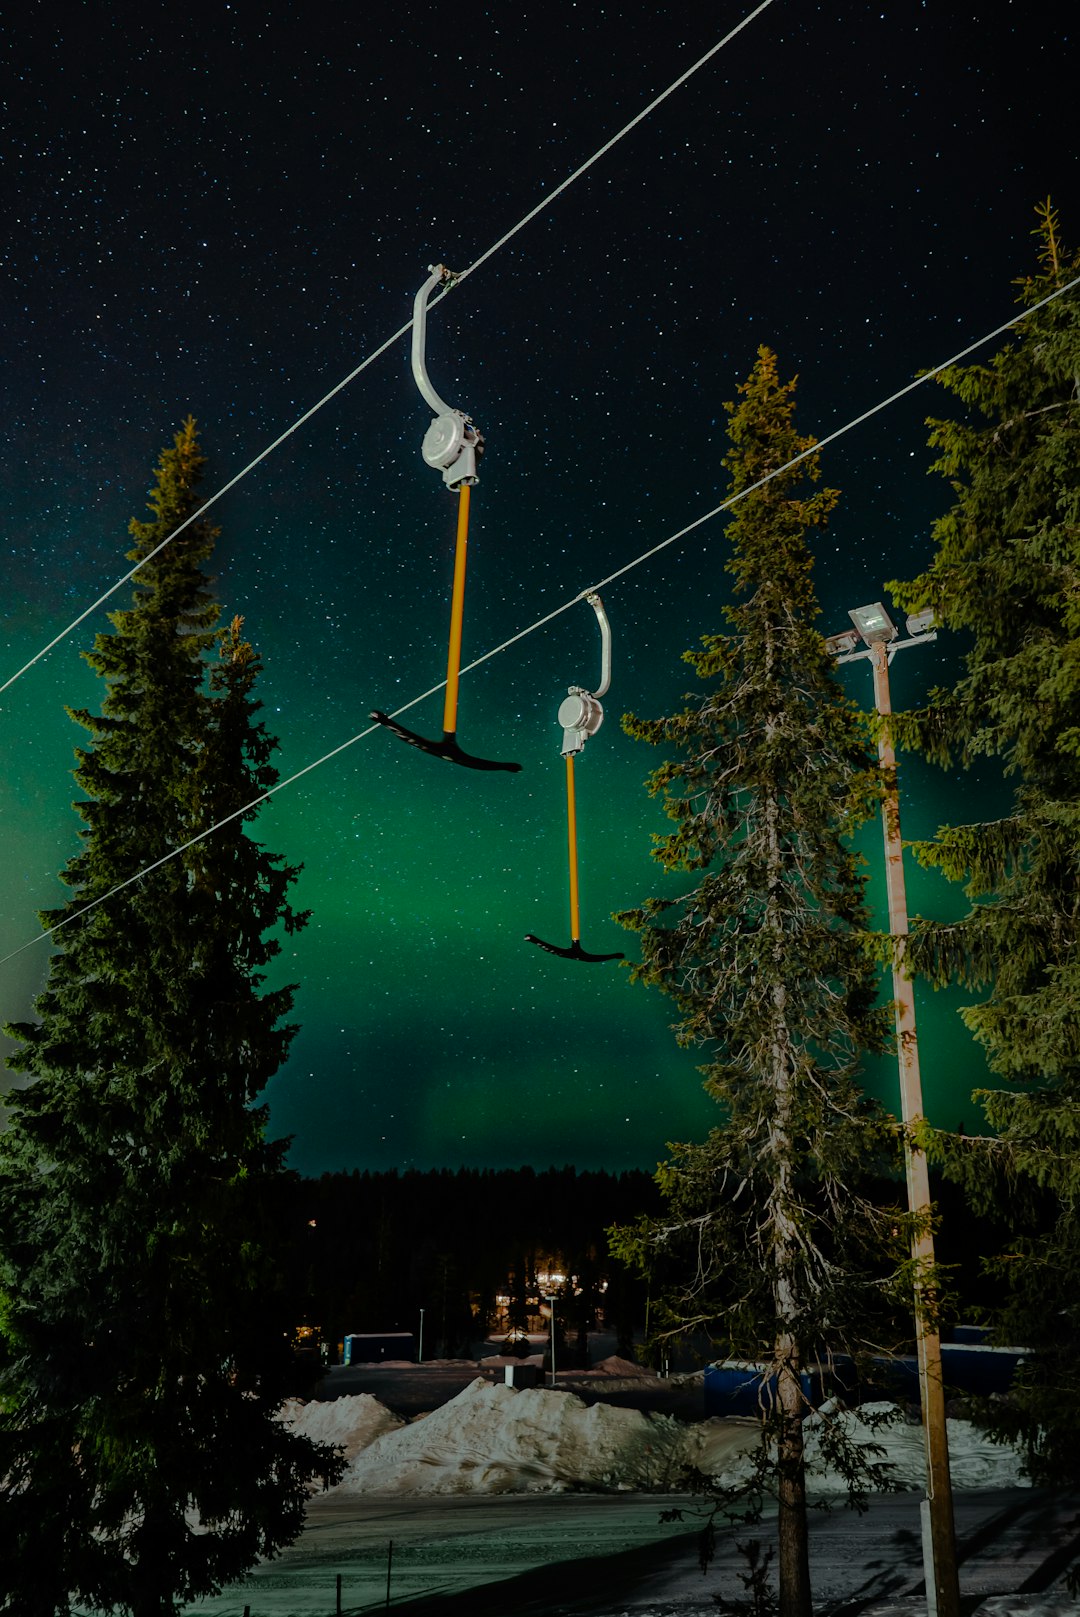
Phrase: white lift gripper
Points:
(452, 442)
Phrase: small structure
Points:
(745, 1387)
(969, 1364)
(521, 1375)
(972, 1363)
(378, 1346)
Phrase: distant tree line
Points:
(365, 1251)
(369, 1250)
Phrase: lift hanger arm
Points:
(438, 277)
(605, 643)
(452, 443)
(581, 715)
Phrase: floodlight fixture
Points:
(838, 645)
(874, 624)
(920, 622)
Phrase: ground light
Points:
(550, 1285)
(877, 632)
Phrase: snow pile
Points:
(629, 1369)
(496, 1439)
(493, 1438)
(350, 1424)
(717, 1448)
(974, 1462)
(616, 1375)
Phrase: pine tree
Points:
(1005, 574)
(767, 1243)
(141, 1463)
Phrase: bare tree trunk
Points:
(792, 1537)
(792, 1532)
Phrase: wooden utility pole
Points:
(942, 1582)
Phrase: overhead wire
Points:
(625, 130)
(540, 623)
(214, 498)
(458, 277)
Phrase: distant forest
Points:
(367, 1251)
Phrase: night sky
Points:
(223, 210)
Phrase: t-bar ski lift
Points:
(452, 445)
(580, 715)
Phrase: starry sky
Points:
(223, 209)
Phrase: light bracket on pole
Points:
(874, 627)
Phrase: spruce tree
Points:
(768, 1243)
(141, 1463)
(1004, 575)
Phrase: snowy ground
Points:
(567, 1555)
(532, 1501)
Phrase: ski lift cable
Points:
(625, 130)
(566, 606)
(545, 202)
(206, 505)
